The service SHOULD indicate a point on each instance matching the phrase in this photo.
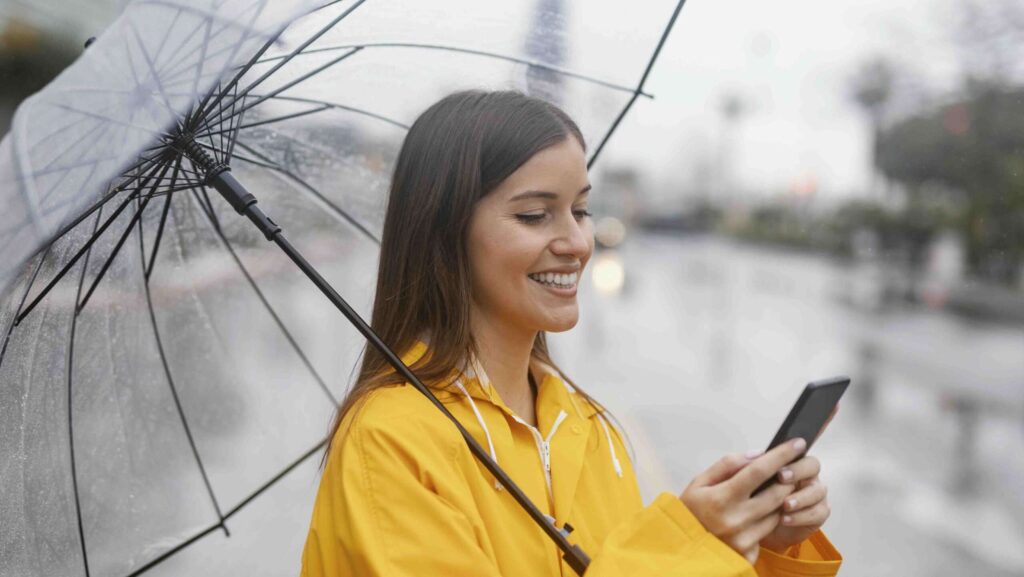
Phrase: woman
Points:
(486, 235)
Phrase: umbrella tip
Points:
(89, 42)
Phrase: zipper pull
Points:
(547, 455)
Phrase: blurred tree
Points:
(971, 147)
(974, 146)
(731, 109)
(871, 88)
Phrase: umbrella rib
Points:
(165, 555)
(188, 184)
(228, 21)
(202, 56)
(275, 478)
(72, 262)
(21, 303)
(208, 208)
(153, 73)
(96, 234)
(475, 52)
(177, 402)
(146, 130)
(75, 165)
(324, 105)
(78, 220)
(159, 235)
(120, 243)
(259, 293)
(204, 108)
(205, 56)
(217, 153)
(310, 189)
(345, 107)
(277, 91)
(71, 145)
(71, 430)
(254, 161)
(269, 120)
(287, 58)
(60, 131)
(43, 198)
(640, 86)
(45, 213)
(222, 92)
(237, 122)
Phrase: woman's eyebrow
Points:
(544, 194)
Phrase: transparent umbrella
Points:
(161, 364)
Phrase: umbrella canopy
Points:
(161, 365)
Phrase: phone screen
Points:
(807, 417)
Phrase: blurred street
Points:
(711, 342)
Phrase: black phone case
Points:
(807, 417)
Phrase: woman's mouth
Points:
(564, 284)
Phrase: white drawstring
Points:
(478, 372)
(611, 446)
(490, 445)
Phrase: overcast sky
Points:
(791, 61)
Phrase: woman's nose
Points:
(574, 239)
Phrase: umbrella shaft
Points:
(243, 202)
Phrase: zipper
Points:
(544, 447)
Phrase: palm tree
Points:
(871, 88)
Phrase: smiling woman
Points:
(486, 236)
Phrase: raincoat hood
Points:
(402, 494)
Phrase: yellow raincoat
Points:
(402, 495)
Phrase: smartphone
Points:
(807, 417)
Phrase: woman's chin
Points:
(560, 324)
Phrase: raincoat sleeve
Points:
(380, 512)
(666, 539)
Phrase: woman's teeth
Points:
(555, 279)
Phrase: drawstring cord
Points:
(480, 419)
(480, 375)
(615, 459)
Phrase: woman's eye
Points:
(534, 218)
(530, 218)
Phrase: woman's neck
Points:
(505, 356)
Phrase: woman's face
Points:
(529, 240)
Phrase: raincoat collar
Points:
(553, 393)
(568, 440)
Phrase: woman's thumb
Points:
(725, 468)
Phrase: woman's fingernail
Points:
(785, 474)
(799, 444)
(791, 503)
(754, 454)
(787, 519)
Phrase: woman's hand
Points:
(804, 511)
(720, 498)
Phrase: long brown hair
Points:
(459, 150)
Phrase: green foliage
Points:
(975, 148)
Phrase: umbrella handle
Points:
(220, 178)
